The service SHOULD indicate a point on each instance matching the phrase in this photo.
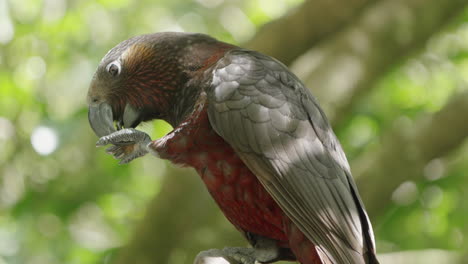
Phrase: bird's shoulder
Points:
(246, 79)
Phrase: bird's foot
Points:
(234, 255)
(128, 144)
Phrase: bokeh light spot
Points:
(6, 129)
(7, 30)
(54, 10)
(35, 67)
(406, 193)
(210, 3)
(237, 23)
(9, 243)
(44, 140)
(434, 170)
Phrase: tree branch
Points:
(343, 68)
(406, 150)
(293, 34)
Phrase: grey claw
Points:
(112, 149)
(125, 160)
(119, 156)
(132, 156)
(116, 151)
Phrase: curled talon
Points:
(128, 144)
(112, 149)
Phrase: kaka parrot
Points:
(251, 129)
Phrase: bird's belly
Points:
(238, 193)
(233, 186)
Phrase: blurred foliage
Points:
(64, 201)
(429, 213)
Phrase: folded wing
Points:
(276, 126)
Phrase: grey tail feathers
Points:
(371, 258)
(370, 255)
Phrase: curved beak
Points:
(101, 119)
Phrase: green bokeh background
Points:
(64, 201)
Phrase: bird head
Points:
(150, 77)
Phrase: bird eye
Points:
(114, 68)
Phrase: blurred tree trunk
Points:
(345, 66)
(293, 34)
(406, 150)
(357, 41)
